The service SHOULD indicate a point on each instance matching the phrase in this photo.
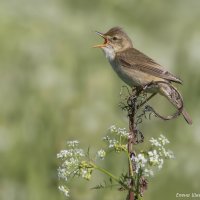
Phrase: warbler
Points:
(138, 70)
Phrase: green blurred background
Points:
(54, 87)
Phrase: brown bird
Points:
(138, 70)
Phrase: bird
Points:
(139, 70)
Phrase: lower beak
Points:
(105, 40)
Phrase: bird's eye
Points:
(115, 38)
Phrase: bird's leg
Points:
(134, 92)
(152, 85)
(145, 88)
(137, 90)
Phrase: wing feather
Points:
(134, 59)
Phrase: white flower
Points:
(86, 173)
(72, 143)
(141, 158)
(111, 142)
(119, 131)
(113, 128)
(79, 152)
(64, 154)
(64, 190)
(140, 161)
(148, 172)
(163, 140)
(71, 159)
(155, 142)
(63, 173)
(169, 154)
(160, 163)
(166, 153)
(101, 154)
(153, 157)
(122, 132)
(71, 162)
(70, 153)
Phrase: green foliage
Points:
(55, 86)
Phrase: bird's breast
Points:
(129, 78)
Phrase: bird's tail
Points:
(187, 117)
(175, 98)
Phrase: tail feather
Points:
(175, 98)
(187, 117)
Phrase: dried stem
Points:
(136, 101)
(132, 139)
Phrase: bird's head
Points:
(115, 39)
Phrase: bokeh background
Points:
(54, 87)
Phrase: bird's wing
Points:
(134, 59)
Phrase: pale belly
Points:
(135, 78)
(131, 77)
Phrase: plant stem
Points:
(106, 172)
(137, 184)
(132, 140)
(130, 164)
(131, 193)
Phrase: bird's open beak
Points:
(105, 40)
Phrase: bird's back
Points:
(133, 59)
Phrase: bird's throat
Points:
(109, 52)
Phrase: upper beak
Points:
(105, 40)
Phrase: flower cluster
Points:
(119, 131)
(76, 163)
(117, 138)
(64, 189)
(73, 164)
(101, 154)
(154, 157)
